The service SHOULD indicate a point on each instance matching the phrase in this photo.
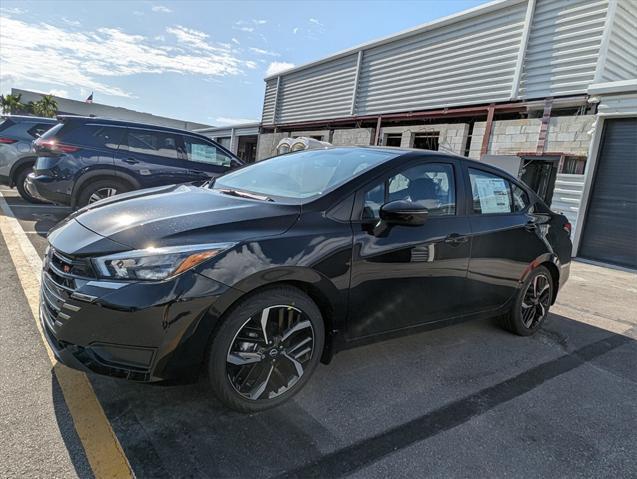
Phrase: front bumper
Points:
(45, 188)
(140, 331)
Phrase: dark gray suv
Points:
(16, 150)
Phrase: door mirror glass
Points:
(404, 212)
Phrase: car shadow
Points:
(368, 403)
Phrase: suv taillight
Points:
(53, 146)
(568, 227)
(6, 141)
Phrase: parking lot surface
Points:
(467, 400)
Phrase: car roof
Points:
(30, 119)
(124, 123)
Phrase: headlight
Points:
(156, 263)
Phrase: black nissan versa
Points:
(282, 263)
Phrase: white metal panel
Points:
(620, 62)
(563, 47)
(322, 92)
(618, 105)
(567, 196)
(269, 101)
(468, 62)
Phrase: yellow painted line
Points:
(102, 448)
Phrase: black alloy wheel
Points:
(532, 304)
(266, 349)
(99, 190)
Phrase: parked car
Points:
(17, 156)
(282, 263)
(85, 159)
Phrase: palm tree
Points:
(46, 106)
(11, 103)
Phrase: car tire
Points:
(532, 303)
(278, 367)
(20, 180)
(100, 189)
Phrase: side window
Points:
(107, 137)
(38, 129)
(491, 193)
(153, 143)
(204, 152)
(431, 184)
(520, 198)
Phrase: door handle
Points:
(131, 161)
(530, 226)
(455, 239)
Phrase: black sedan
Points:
(282, 263)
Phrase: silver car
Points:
(16, 151)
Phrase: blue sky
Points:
(192, 60)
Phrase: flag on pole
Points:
(89, 99)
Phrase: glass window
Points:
(153, 143)
(520, 198)
(38, 129)
(204, 152)
(431, 184)
(491, 193)
(304, 174)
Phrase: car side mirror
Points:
(405, 213)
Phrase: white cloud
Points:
(244, 29)
(235, 41)
(12, 11)
(161, 9)
(295, 30)
(68, 21)
(223, 120)
(259, 22)
(315, 22)
(251, 65)
(60, 93)
(61, 57)
(277, 67)
(261, 51)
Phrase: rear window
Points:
(5, 123)
(38, 129)
(91, 136)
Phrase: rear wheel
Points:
(100, 189)
(266, 349)
(532, 304)
(20, 184)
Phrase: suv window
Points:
(520, 198)
(153, 143)
(491, 193)
(431, 184)
(38, 129)
(203, 152)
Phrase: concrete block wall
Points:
(566, 134)
(266, 146)
(453, 136)
(353, 137)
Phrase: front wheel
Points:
(266, 349)
(532, 304)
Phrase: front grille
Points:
(61, 275)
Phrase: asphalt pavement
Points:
(468, 400)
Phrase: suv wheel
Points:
(20, 181)
(100, 189)
(266, 349)
(532, 304)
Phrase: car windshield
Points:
(304, 174)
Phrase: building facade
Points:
(241, 139)
(544, 88)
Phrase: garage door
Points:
(610, 230)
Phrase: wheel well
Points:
(555, 276)
(100, 177)
(25, 163)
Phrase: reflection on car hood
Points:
(177, 215)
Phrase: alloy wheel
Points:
(268, 355)
(537, 300)
(101, 194)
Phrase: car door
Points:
(206, 160)
(409, 275)
(506, 238)
(153, 157)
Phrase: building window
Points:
(573, 165)
(393, 139)
(427, 140)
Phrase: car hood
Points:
(177, 215)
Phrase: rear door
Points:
(507, 235)
(205, 159)
(153, 157)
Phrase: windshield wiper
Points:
(245, 194)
